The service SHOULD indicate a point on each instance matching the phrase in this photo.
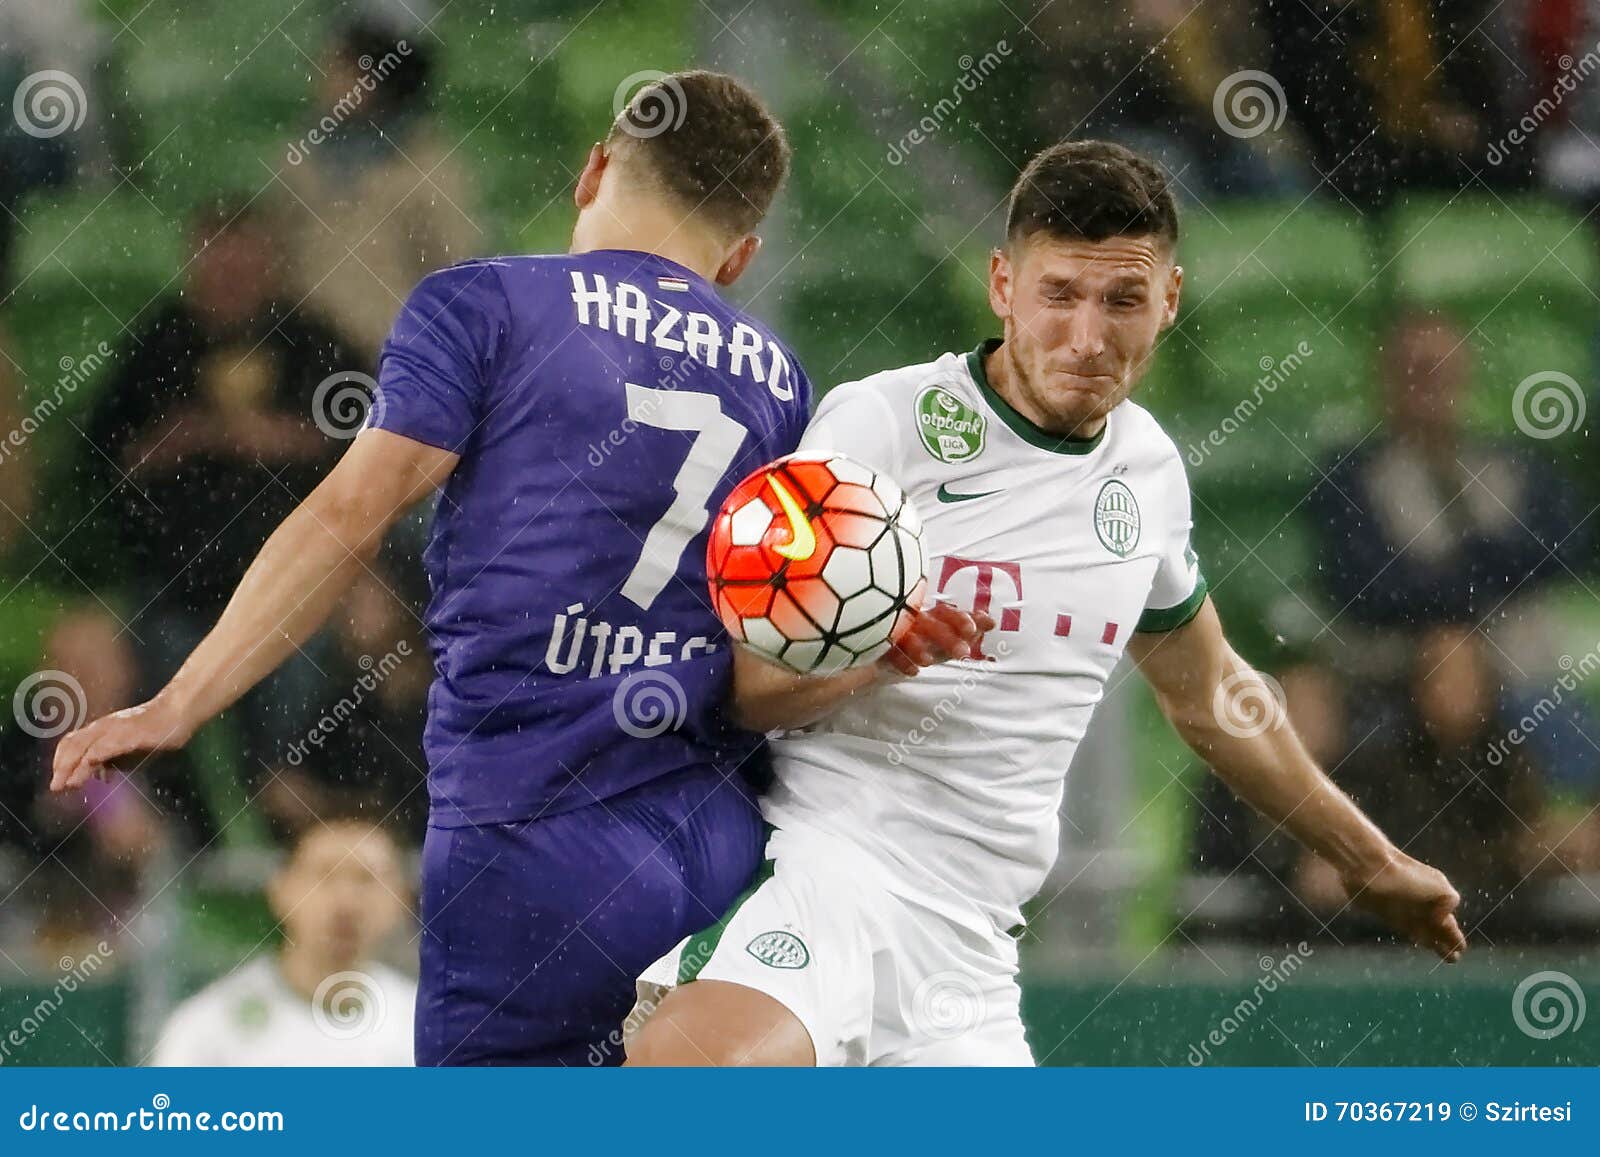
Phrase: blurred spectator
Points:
(16, 463)
(1391, 94)
(1231, 838)
(321, 998)
(205, 439)
(364, 756)
(1147, 73)
(87, 847)
(1427, 523)
(1445, 792)
(379, 202)
(38, 37)
(1548, 53)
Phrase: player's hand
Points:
(938, 634)
(1413, 898)
(117, 742)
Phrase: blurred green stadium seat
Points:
(1472, 253)
(1235, 255)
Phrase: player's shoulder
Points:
(893, 392)
(1139, 436)
(463, 284)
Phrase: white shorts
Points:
(875, 978)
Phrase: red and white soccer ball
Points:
(816, 562)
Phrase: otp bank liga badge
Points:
(1116, 518)
(951, 430)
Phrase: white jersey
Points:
(953, 780)
(253, 1018)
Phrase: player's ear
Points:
(734, 264)
(1000, 283)
(588, 187)
(1169, 310)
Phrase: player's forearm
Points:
(1273, 773)
(768, 698)
(306, 566)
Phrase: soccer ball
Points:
(816, 562)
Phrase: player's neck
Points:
(1003, 379)
(647, 232)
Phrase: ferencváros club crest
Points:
(1116, 518)
(779, 950)
(951, 430)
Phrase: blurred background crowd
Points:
(210, 211)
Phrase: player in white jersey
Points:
(914, 817)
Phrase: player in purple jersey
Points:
(580, 416)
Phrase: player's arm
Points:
(1197, 677)
(767, 697)
(304, 569)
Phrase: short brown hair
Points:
(709, 142)
(1092, 190)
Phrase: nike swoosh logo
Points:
(802, 542)
(948, 495)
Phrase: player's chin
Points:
(1083, 399)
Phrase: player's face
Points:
(340, 891)
(1081, 319)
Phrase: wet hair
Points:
(709, 142)
(1092, 191)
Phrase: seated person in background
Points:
(1427, 524)
(16, 463)
(320, 998)
(384, 200)
(1445, 789)
(205, 438)
(363, 755)
(81, 854)
(1231, 837)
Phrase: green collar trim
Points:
(1021, 426)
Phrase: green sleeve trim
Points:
(701, 947)
(1171, 618)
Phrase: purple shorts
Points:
(535, 931)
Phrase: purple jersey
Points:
(603, 405)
